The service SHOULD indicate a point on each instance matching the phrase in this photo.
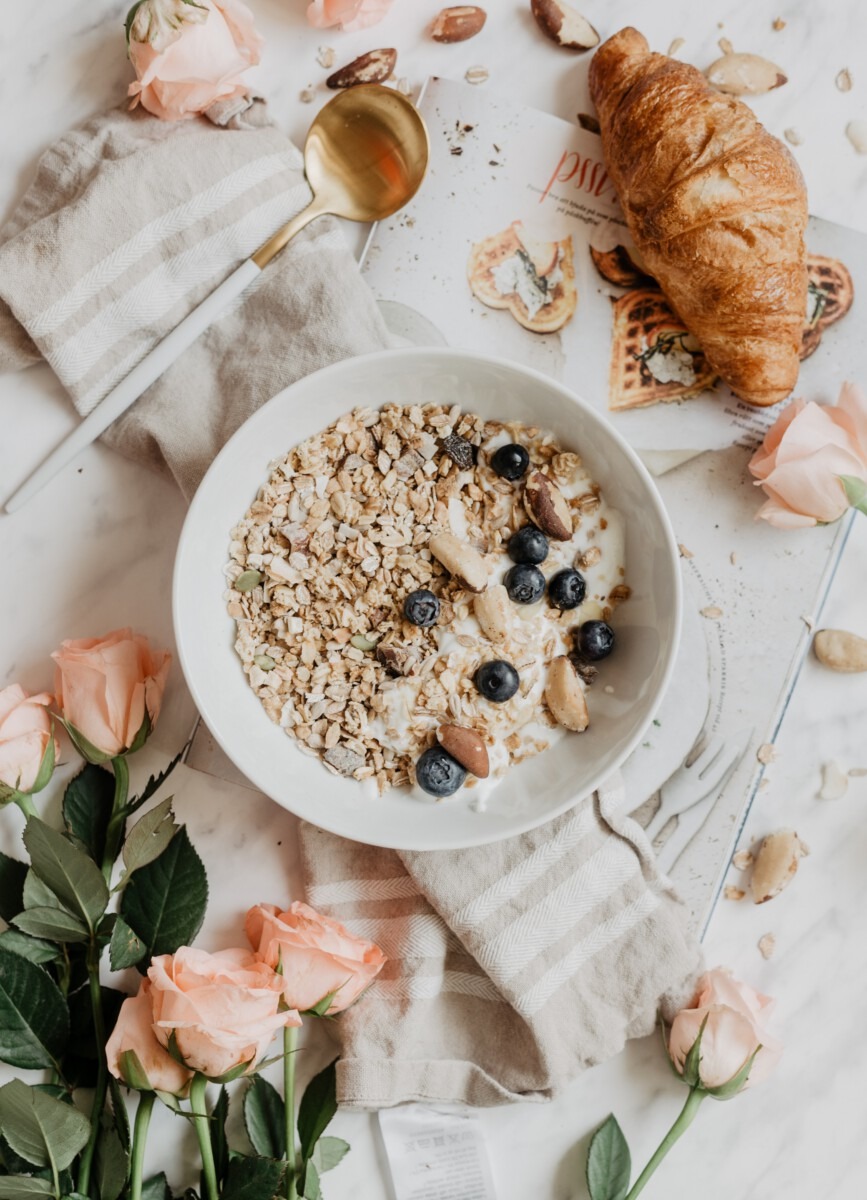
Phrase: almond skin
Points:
(565, 696)
(458, 24)
(564, 25)
(840, 650)
(546, 506)
(467, 747)
(374, 67)
(776, 864)
(460, 560)
(744, 75)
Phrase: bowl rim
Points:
(447, 353)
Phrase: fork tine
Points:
(705, 756)
(715, 771)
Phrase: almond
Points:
(492, 609)
(458, 24)
(840, 650)
(744, 75)
(460, 560)
(467, 747)
(373, 67)
(776, 864)
(564, 25)
(564, 695)
(546, 507)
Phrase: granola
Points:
(321, 563)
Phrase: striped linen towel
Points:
(512, 967)
(128, 224)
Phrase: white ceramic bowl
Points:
(647, 625)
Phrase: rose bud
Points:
(27, 747)
(135, 1056)
(324, 968)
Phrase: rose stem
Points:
(290, 1043)
(680, 1126)
(101, 1070)
(25, 804)
(139, 1139)
(203, 1133)
(117, 821)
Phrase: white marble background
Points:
(95, 551)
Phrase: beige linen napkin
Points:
(128, 225)
(512, 966)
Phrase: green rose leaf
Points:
(12, 876)
(45, 1131)
(87, 805)
(37, 895)
(856, 491)
(34, 1020)
(34, 949)
(252, 1178)
(156, 1188)
(219, 1140)
(81, 1059)
(329, 1152)
(312, 1188)
(118, 1108)
(126, 947)
(165, 901)
(53, 924)
(608, 1163)
(149, 837)
(318, 1106)
(73, 877)
(112, 1163)
(24, 1187)
(264, 1118)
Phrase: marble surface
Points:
(95, 550)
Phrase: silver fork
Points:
(693, 782)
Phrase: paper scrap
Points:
(436, 1153)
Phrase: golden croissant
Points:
(716, 206)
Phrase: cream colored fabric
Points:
(129, 223)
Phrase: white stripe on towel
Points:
(428, 987)
(344, 891)
(421, 936)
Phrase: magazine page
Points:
(516, 246)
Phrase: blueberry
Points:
(421, 607)
(567, 589)
(497, 681)
(528, 545)
(595, 640)
(525, 584)
(438, 773)
(510, 462)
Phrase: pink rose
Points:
(805, 452)
(134, 1054)
(350, 15)
(736, 1024)
(184, 62)
(106, 686)
(318, 955)
(223, 1009)
(27, 749)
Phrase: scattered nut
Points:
(839, 650)
(712, 612)
(458, 24)
(726, 46)
(397, 659)
(733, 893)
(766, 753)
(794, 137)
(492, 610)
(546, 507)
(743, 860)
(675, 46)
(325, 57)
(857, 772)
(477, 74)
(588, 122)
(565, 696)
(589, 558)
(307, 96)
(776, 864)
(744, 75)
(844, 80)
(247, 580)
(778, 24)
(767, 944)
(684, 552)
(373, 67)
(856, 132)
(460, 560)
(467, 747)
(733, 558)
(564, 25)
(834, 782)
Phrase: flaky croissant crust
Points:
(717, 207)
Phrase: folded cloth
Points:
(129, 223)
(512, 967)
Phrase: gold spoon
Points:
(365, 157)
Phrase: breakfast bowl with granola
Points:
(426, 599)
